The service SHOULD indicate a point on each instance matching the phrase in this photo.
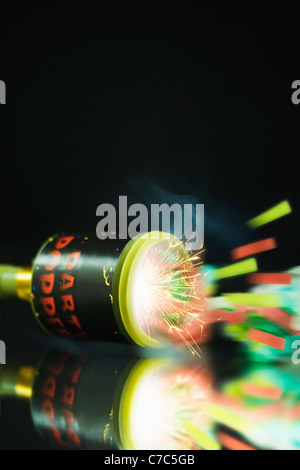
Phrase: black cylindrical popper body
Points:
(142, 290)
(72, 286)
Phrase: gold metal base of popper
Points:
(17, 381)
(15, 281)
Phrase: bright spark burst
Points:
(169, 294)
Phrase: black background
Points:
(153, 101)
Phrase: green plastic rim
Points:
(36, 314)
(122, 286)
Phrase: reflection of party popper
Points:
(71, 395)
(148, 291)
(92, 400)
(87, 397)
